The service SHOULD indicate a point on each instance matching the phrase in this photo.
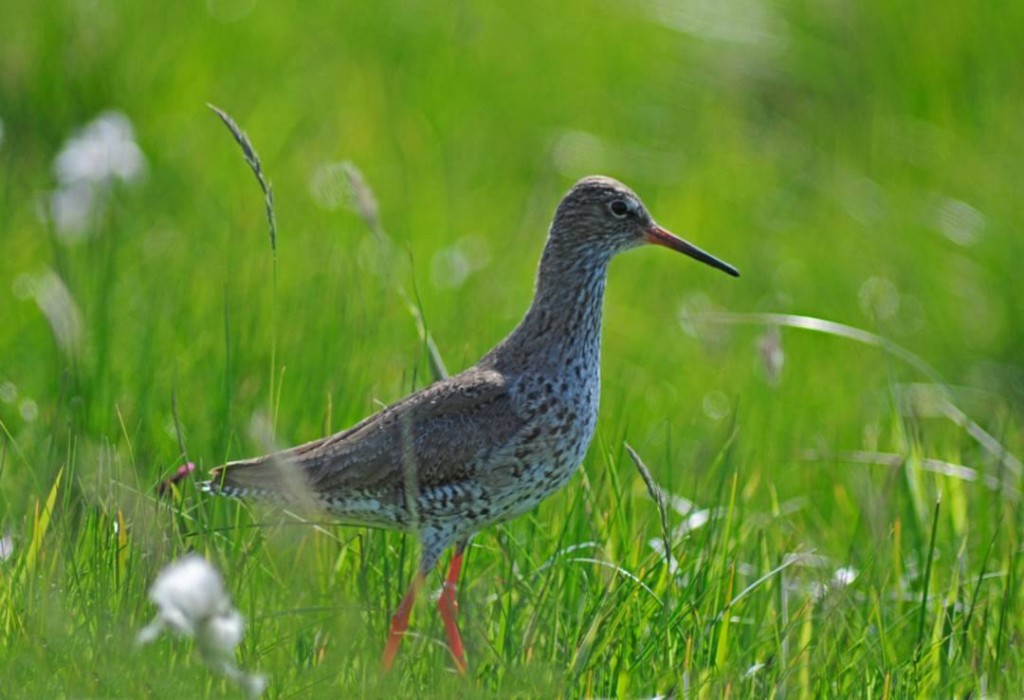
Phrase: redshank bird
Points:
(491, 442)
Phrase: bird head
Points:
(604, 216)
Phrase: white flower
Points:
(844, 576)
(223, 633)
(190, 594)
(71, 208)
(95, 156)
(191, 600)
(103, 150)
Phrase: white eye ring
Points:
(620, 208)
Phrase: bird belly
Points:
(464, 511)
(367, 510)
(525, 473)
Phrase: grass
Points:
(848, 525)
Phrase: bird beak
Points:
(659, 236)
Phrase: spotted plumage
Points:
(493, 441)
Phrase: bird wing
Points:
(440, 434)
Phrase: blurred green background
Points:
(859, 162)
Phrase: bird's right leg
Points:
(400, 621)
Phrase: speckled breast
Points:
(563, 416)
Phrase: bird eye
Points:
(619, 208)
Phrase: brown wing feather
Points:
(443, 432)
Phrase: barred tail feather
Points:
(274, 478)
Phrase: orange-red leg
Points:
(449, 608)
(400, 623)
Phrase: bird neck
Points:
(563, 324)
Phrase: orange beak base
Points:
(656, 235)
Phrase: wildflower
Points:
(102, 152)
(191, 601)
(844, 576)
